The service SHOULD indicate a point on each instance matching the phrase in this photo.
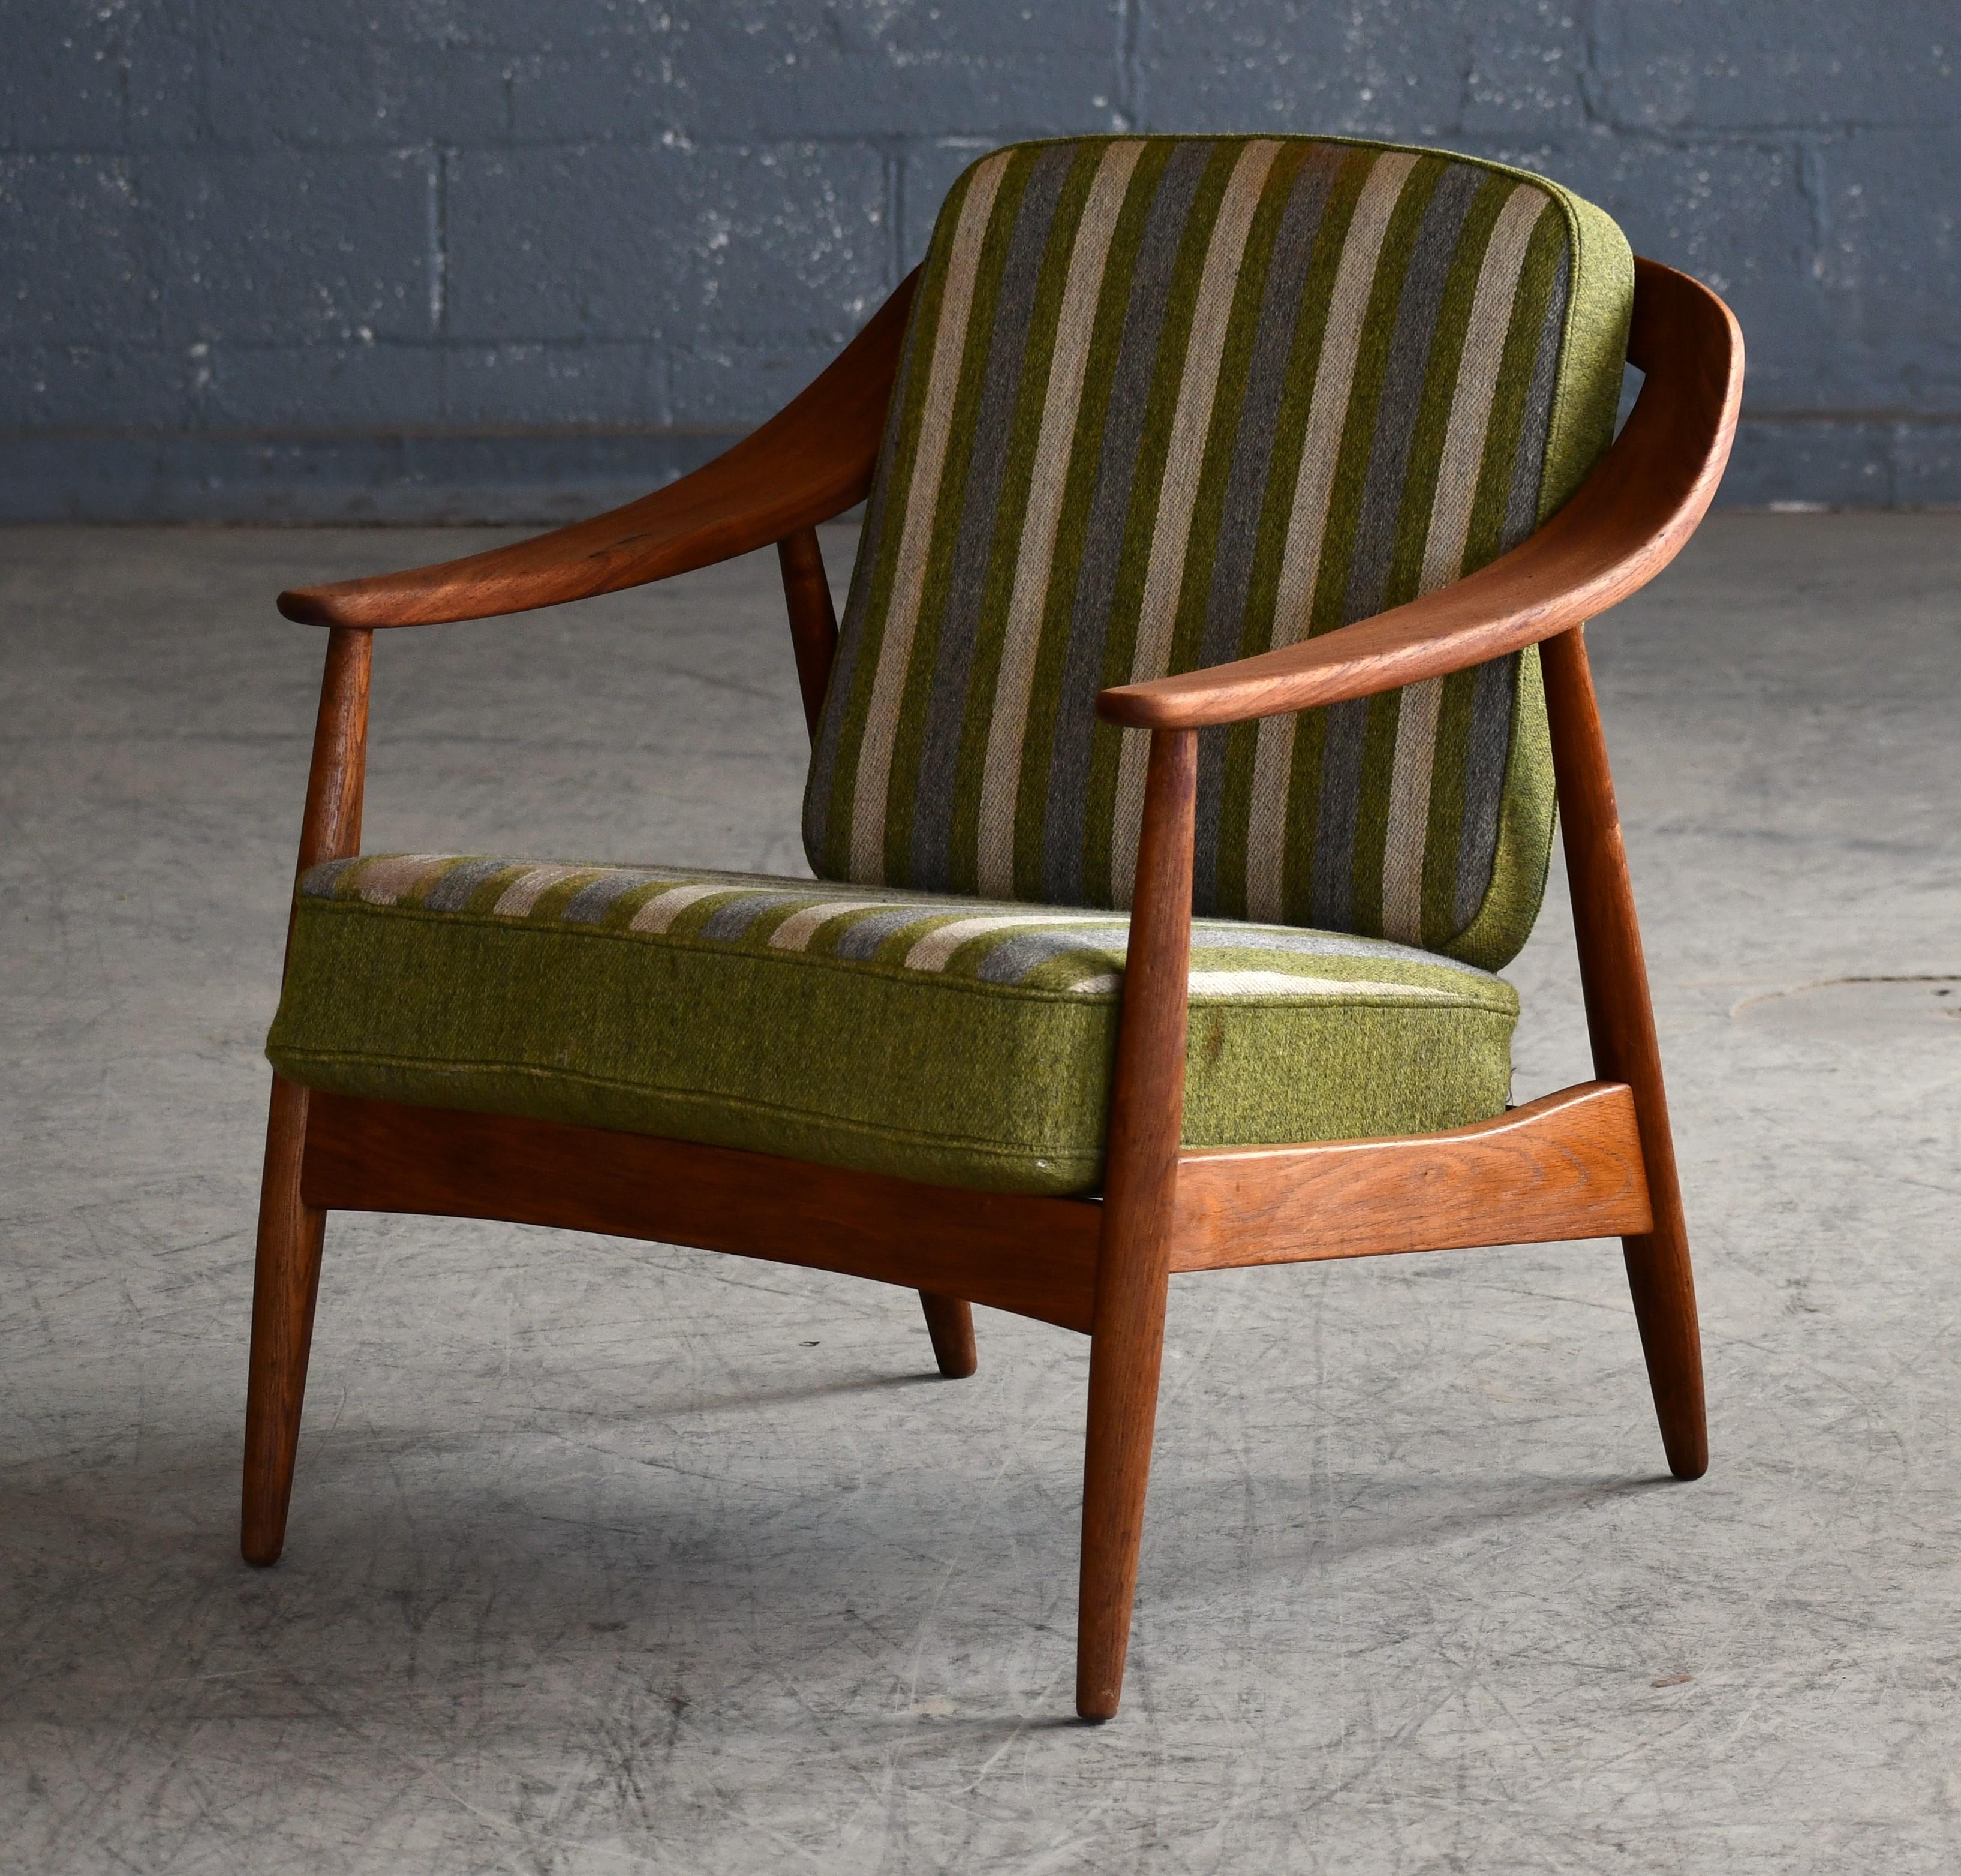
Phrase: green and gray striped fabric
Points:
(1165, 402)
(960, 1041)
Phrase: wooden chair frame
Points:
(1593, 1160)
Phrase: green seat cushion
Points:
(1167, 401)
(958, 1042)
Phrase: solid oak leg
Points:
(1133, 1261)
(949, 1321)
(1620, 1019)
(285, 1288)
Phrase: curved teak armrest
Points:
(812, 460)
(1627, 521)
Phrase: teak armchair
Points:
(1592, 1160)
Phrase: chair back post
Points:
(949, 1319)
(1620, 1025)
(337, 776)
(813, 620)
(1140, 1194)
(285, 1283)
(330, 828)
(1687, 343)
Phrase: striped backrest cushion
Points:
(1168, 401)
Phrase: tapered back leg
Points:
(286, 1279)
(1620, 1019)
(286, 1286)
(950, 1320)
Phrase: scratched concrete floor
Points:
(610, 1557)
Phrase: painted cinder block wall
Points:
(494, 259)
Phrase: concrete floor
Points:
(608, 1557)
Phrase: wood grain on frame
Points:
(1034, 1256)
(1568, 1166)
(1596, 1159)
(812, 460)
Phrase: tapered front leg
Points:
(1133, 1261)
(284, 1288)
(1126, 1349)
(949, 1321)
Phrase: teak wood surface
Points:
(1034, 1256)
(1568, 1166)
(812, 460)
(1595, 1160)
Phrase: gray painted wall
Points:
(503, 259)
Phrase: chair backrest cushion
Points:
(1167, 401)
